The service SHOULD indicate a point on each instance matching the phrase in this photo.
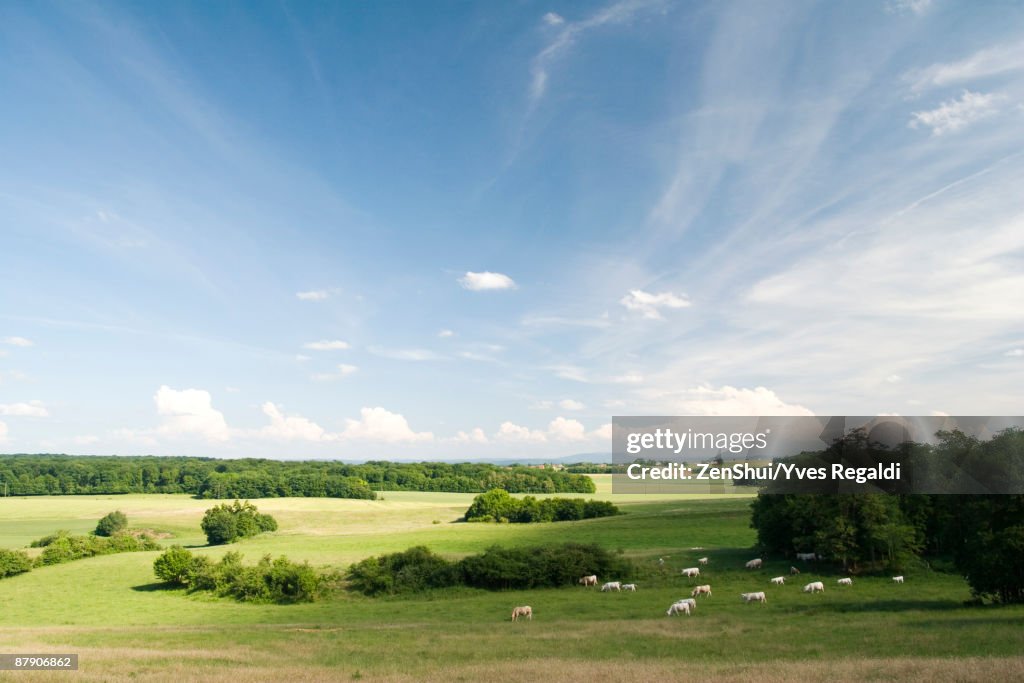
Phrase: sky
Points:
(472, 230)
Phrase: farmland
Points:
(123, 624)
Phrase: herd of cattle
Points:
(689, 605)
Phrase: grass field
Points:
(124, 626)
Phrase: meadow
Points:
(125, 626)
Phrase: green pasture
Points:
(124, 625)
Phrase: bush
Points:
(411, 571)
(173, 565)
(61, 547)
(47, 540)
(279, 581)
(228, 522)
(14, 562)
(498, 506)
(112, 523)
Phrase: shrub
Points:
(112, 523)
(62, 547)
(47, 540)
(173, 565)
(14, 562)
(228, 522)
(280, 581)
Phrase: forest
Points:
(34, 475)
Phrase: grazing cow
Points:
(845, 582)
(701, 590)
(679, 608)
(754, 597)
(691, 572)
(754, 564)
(523, 611)
(814, 587)
(806, 556)
(589, 580)
(793, 571)
(702, 561)
(629, 587)
(897, 579)
(689, 601)
(779, 580)
(611, 586)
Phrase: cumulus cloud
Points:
(485, 281)
(956, 114)
(729, 400)
(30, 409)
(564, 429)
(553, 19)
(290, 427)
(474, 436)
(344, 370)
(510, 431)
(650, 305)
(603, 432)
(17, 341)
(326, 345)
(189, 412)
(312, 295)
(570, 404)
(378, 424)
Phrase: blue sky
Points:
(479, 230)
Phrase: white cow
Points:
(897, 579)
(779, 580)
(754, 564)
(523, 611)
(701, 590)
(845, 582)
(679, 608)
(754, 597)
(806, 556)
(691, 572)
(611, 586)
(589, 580)
(702, 561)
(814, 587)
(629, 587)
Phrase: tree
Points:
(230, 521)
(112, 523)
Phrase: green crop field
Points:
(125, 626)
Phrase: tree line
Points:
(498, 506)
(28, 475)
(982, 535)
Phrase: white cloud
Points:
(603, 432)
(542, 405)
(378, 424)
(474, 436)
(512, 432)
(344, 370)
(553, 19)
(570, 404)
(729, 400)
(985, 63)
(570, 372)
(30, 409)
(485, 281)
(312, 295)
(939, 413)
(290, 427)
(404, 354)
(649, 304)
(326, 345)
(1015, 353)
(189, 411)
(18, 341)
(615, 403)
(444, 334)
(628, 378)
(566, 430)
(956, 114)
(912, 6)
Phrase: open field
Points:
(110, 611)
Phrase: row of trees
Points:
(418, 569)
(27, 475)
(498, 506)
(982, 534)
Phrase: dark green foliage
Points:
(47, 540)
(112, 523)
(279, 581)
(498, 506)
(14, 562)
(228, 522)
(30, 475)
(497, 568)
(62, 547)
(990, 547)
